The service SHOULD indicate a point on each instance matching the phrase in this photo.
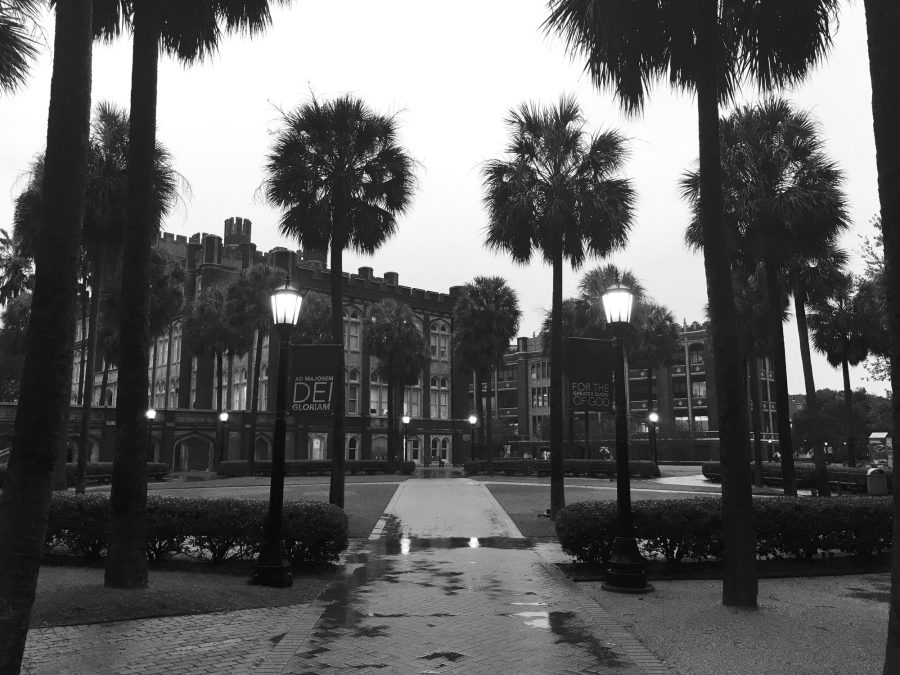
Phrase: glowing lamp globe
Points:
(286, 301)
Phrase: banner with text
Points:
(589, 368)
(313, 372)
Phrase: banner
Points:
(589, 369)
(312, 384)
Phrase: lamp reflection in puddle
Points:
(405, 543)
(473, 542)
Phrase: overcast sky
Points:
(451, 73)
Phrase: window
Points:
(696, 357)
(352, 323)
(352, 447)
(682, 424)
(415, 447)
(701, 422)
(173, 392)
(378, 397)
(264, 387)
(698, 388)
(440, 341)
(176, 343)
(412, 399)
(445, 448)
(679, 388)
(239, 390)
(540, 397)
(440, 398)
(353, 392)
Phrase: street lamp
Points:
(473, 420)
(405, 420)
(150, 415)
(223, 435)
(654, 418)
(270, 568)
(625, 572)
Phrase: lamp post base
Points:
(270, 569)
(626, 572)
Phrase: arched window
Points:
(173, 392)
(445, 448)
(412, 399)
(264, 387)
(440, 341)
(352, 323)
(239, 390)
(176, 343)
(378, 397)
(353, 392)
(352, 447)
(440, 398)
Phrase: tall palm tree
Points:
(392, 335)
(838, 326)
(341, 178)
(783, 196)
(656, 340)
(43, 408)
(189, 30)
(18, 43)
(595, 282)
(485, 320)
(558, 193)
(249, 306)
(705, 47)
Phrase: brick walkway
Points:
(446, 584)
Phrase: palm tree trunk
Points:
(88, 394)
(557, 488)
(848, 409)
(391, 423)
(782, 405)
(126, 562)
(883, 26)
(488, 420)
(79, 396)
(152, 393)
(756, 422)
(479, 413)
(739, 580)
(336, 490)
(43, 410)
(254, 405)
(822, 487)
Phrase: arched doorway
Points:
(192, 453)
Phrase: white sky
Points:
(452, 72)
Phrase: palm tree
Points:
(190, 31)
(249, 306)
(16, 269)
(595, 282)
(18, 46)
(341, 178)
(705, 47)
(783, 197)
(13, 344)
(838, 326)
(46, 377)
(392, 335)
(314, 323)
(485, 320)
(656, 339)
(557, 192)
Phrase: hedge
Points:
(208, 529)
(302, 467)
(786, 527)
(100, 472)
(571, 467)
(853, 477)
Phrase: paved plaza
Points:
(446, 583)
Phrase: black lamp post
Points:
(270, 568)
(625, 572)
(473, 420)
(150, 415)
(223, 435)
(405, 420)
(653, 418)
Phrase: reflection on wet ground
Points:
(461, 604)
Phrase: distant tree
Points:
(13, 343)
(341, 179)
(839, 332)
(392, 335)
(16, 267)
(485, 320)
(249, 300)
(557, 193)
(314, 323)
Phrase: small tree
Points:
(392, 335)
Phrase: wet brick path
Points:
(445, 584)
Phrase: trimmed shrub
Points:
(472, 467)
(571, 467)
(786, 527)
(407, 468)
(212, 529)
(100, 472)
(301, 467)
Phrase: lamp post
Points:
(270, 568)
(223, 434)
(150, 415)
(653, 417)
(473, 420)
(405, 420)
(625, 572)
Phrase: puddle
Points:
(390, 544)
